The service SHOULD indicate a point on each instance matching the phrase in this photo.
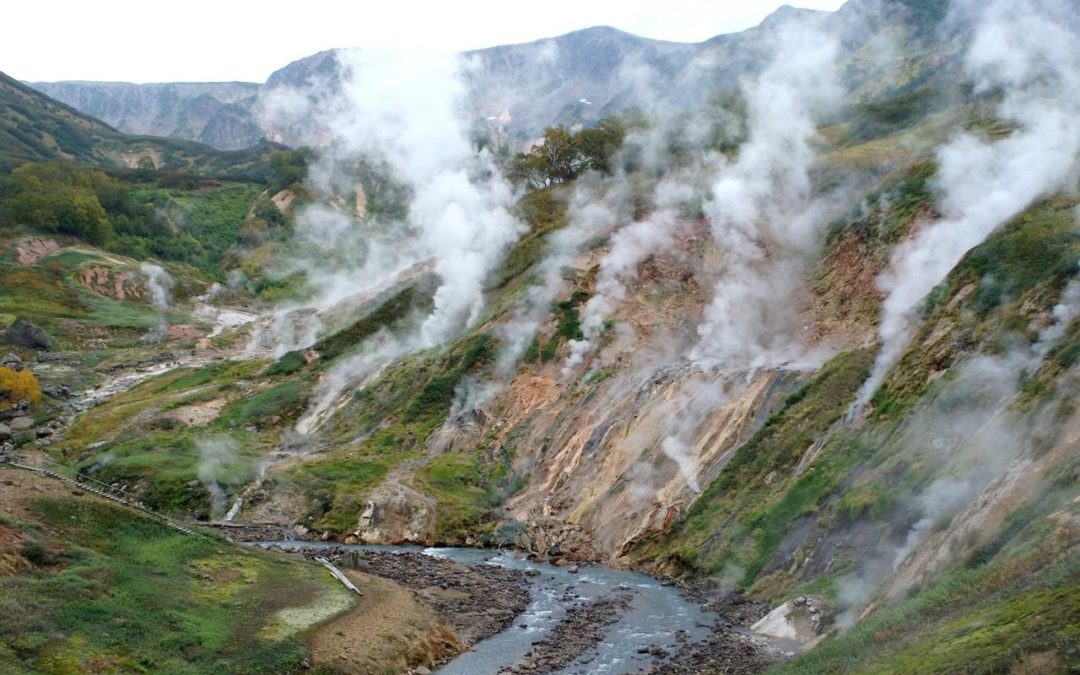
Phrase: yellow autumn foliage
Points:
(16, 385)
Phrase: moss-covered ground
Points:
(110, 591)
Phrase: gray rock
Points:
(5, 432)
(59, 391)
(27, 334)
(11, 361)
(22, 423)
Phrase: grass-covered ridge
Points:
(989, 301)
(1012, 604)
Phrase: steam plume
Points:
(761, 211)
(1034, 63)
(160, 284)
(404, 112)
(214, 455)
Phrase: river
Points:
(655, 614)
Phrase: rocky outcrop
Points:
(397, 513)
(27, 334)
(29, 250)
(802, 620)
(598, 485)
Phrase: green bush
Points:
(288, 364)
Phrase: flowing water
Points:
(656, 613)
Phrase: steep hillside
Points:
(36, 128)
(802, 327)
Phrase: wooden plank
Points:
(338, 575)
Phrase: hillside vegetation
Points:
(666, 323)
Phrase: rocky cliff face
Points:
(215, 113)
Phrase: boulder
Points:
(59, 391)
(17, 410)
(5, 432)
(11, 361)
(22, 423)
(801, 619)
(27, 334)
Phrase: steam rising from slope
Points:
(969, 438)
(1034, 64)
(404, 113)
(160, 284)
(761, 211)
(595, 207)
(593, 210)
(406, 109)
(214, 455)
(629, 247)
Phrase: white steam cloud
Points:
(407, 111)
(1035, 62)
(630, 246)
(973, 440)
(403, 113)
(215, 454)
(761, 212)
(679, 452)
(160, 284)
(591, 213)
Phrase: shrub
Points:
(18, 385)
(36, 554)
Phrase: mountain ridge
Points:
(596, 55)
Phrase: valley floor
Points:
(88, 586)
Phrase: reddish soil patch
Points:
(29, 250)
(11, 560)
(18, 487)
(183, 331)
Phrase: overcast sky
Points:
(199, 40)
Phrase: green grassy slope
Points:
(103, 590)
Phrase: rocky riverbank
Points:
(475, 602)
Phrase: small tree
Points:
(562, 156)
(145, 169)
